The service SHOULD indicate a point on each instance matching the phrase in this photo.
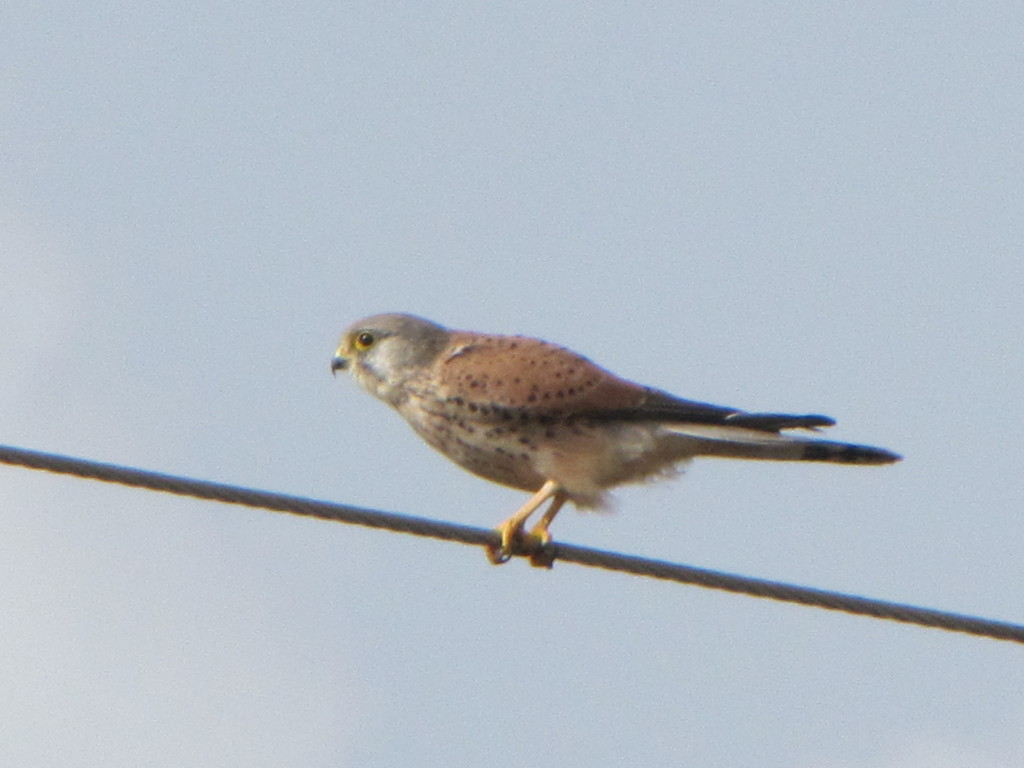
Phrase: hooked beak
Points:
(338, 363)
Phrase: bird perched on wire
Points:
(536, 416)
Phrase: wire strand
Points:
(566, 553)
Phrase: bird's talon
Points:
(501, 553)
(543, 554)
(541, 535)
(498, 555)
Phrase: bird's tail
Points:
(741, 442)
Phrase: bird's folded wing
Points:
(492, 374)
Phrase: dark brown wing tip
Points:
(774, 422)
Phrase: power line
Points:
(567, 553)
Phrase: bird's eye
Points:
(364, 340)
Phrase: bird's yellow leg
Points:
(540, 530)
(512, 527)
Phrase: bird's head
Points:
(385, 352)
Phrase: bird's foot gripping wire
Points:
(537, 543)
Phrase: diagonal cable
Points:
(567, 553)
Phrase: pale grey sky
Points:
(793, 206)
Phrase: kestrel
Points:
(532, 415)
